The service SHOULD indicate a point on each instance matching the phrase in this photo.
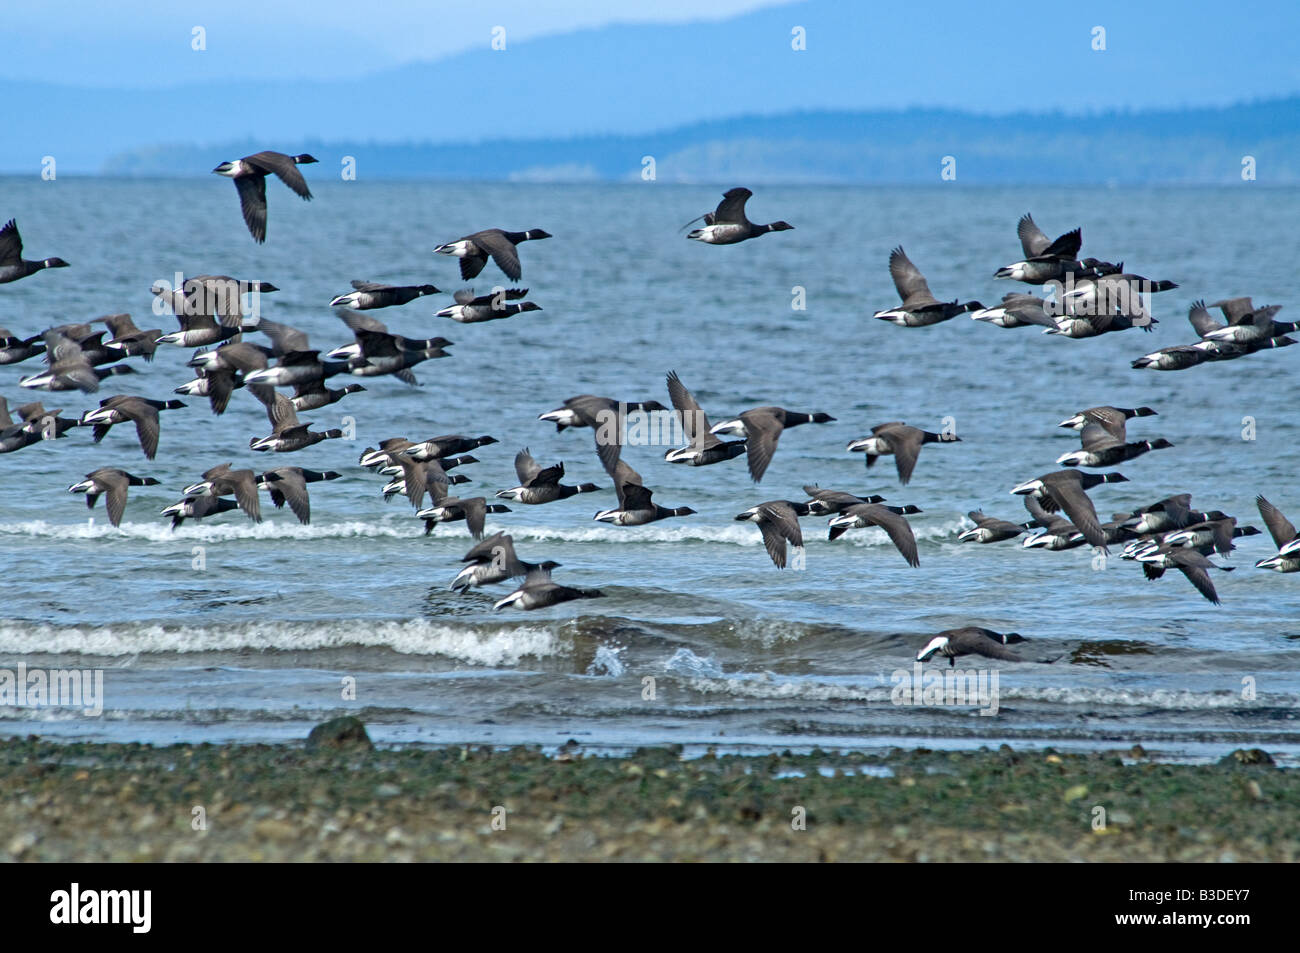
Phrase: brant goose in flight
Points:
(1217, 532)
(1191, 563)
(217, 298)
(1179, 357)
(240, 356)
(142, 411)
(1045, 260)
(250, 175)
(197, 507)
(129, 339)
(1246, 323)
(313, 395)
(990, 529)
(1104, 446)
(889, 518)
(90, 345)
(902, 441)
(16, 436)
(762, 428)
(1285, 537)
(223, 481)
(432, 449)
(15, 350)
(1017, 311)
(704, 448)
(919, 308)
(12, 264)
(449, 509)
(1066, 490)
(289, 485)
(727, 224)
(538, 591)
(200, 330)
(46, 424)
(70, 368)
(1056, 533)
(1173, 512)
(493, 560)
(287, 434)
(540, 485)
(606, 416)
(216, 385)
(830, 502)
(376, 352)
(1081, 322)
(489, 307)
(296, 363)
(367, 295)
(424, 473)
(111, 483)
(1210, 536)
(971, 640)
(1175, 516)
(778, 522)
(635, 508)
(1122, 293)
(1109, 417)
(474, 250)
(421, 476)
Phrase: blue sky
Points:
(146, 42)
(1171, 52)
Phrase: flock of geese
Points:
(1084, 298)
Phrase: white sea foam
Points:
(238, 528)
(208, 531)
(607, 662)
(480, 645)
(708, 678)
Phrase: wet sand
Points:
(91, 802)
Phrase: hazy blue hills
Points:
(1192, 146)
(856, 104)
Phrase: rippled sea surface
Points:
(255, 645)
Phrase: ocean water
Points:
(742, 656)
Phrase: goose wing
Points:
(1279, 527)
(1032, 239)
(292, 487)
(731, 210)
(695, 424)
(626, 482)
(11, 244)
(284, 337)
(1065, 248)
(908, 280)
(762, 431)
(147, 426)
(1202, 322)
(906, 443)
(526, 468)
(1071, 497)
(115, 486)
(285, 169)
(780, 524)
(894, 524)
(503, 252)
(1096, 436)
(252, 202)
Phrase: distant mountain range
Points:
(1187, 146)
(817, 91)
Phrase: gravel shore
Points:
(109, 802)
